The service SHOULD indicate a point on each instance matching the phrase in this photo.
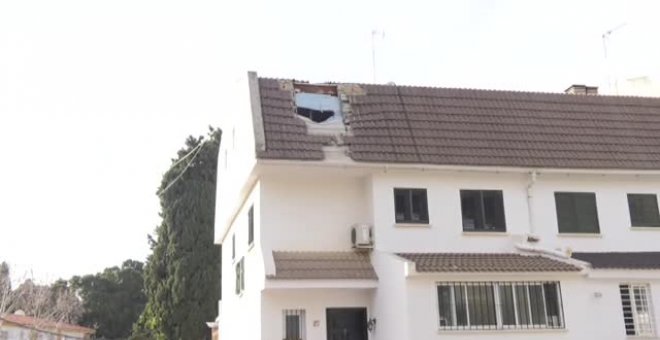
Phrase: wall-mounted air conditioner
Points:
(362, 236)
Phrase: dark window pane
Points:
(644, 210)
(251, 225)
(445, 304)
(552, 304)
(461, 310)
(577, 212)
(233, 246)
(482, 210)
(410, 206)
(628, 318)
(292, 327)
(522, 305)
(493, 211)
(419, 206)
(470, 209)
(506, 302)
(481, 303)
(537, 304)
(587, 215)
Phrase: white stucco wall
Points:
(314, 302)
(445, 233)
(307, 211)
(237, 157)
(586, 315)
(390, 303)
(238, 312)
(309, 208)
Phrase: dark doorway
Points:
(346, 323)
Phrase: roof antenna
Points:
(374, 34)
(606, 39)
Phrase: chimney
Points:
(582, 90)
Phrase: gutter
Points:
(388, 167)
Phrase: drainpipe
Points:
(530, 201)
(524, 246)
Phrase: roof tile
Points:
(485, 262)
(408, 124)
(620, 260)
(322, 266)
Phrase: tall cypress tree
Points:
(182, 275)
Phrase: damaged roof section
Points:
(485, 262)
(322, 266)
(285, 134)
(424, 125)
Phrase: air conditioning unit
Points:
(362, 236)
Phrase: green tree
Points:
(112, 299)
(182, 275)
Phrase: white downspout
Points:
(532, 227)
(530, 202)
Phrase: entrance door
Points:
(346, 323)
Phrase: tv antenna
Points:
(374, 35)
(606, 38)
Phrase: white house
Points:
(384, 212)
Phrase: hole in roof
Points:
(318, 103)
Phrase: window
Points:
(240, 276)
(576, 212)
(294, 324)
(499, 305)
(251, 225)
(637, 313)
(233, 246)
(410, 206)
(643, 210)
(483, 210)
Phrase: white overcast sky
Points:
(97, 96)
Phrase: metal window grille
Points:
(500, 305)
(293, 324)
(637, 311)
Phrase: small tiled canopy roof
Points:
(485, 262)
(31, 322)
(322, 266)
(444, 126)
(621, 260)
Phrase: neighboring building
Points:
(384, 212)
(640, 86)
(21, 327)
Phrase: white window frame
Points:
(642, 329)
(495, 286)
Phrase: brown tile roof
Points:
(403, 124)
(485, 262)
(322, 266)
(621, 260)
(48, 325)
